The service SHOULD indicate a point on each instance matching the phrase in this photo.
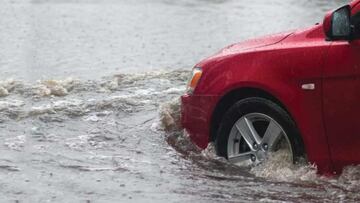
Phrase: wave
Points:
(117, 82)
(71, 97)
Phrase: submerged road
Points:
(89, 102)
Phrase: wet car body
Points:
(314, 79)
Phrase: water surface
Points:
(89, 102)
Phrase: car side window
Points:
(355, 19)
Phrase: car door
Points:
(341, 98)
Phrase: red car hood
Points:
(246, 46)
(255, 43)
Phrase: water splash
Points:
(101, 126)
(8, 86)
(274, 168)
(3, 92)
(170, 115)
(278, 167)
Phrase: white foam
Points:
(17, 143)
(50, 87)
(279, 167)
(156, 126)
(350, 178)
(55, 87)
(74, 106)
(7, 104)
(175, 90)
(3, 92)
(7, 86)
(82, 142)
(92, 118)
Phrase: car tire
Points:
(263, 107)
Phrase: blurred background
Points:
(88, 38)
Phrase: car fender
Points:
(281, 74)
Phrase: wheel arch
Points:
(231, 97)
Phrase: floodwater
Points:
(89, 103)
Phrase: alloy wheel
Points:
(254, 137)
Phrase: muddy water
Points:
(89, 103)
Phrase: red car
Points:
(298, 90)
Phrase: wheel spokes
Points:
(272, 134)
(236, 147)
(248, 132)
(240, 157)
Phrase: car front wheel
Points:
(254, 129)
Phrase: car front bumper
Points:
(196, 114)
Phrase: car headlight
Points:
(196, 75)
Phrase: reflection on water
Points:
(89, 105)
